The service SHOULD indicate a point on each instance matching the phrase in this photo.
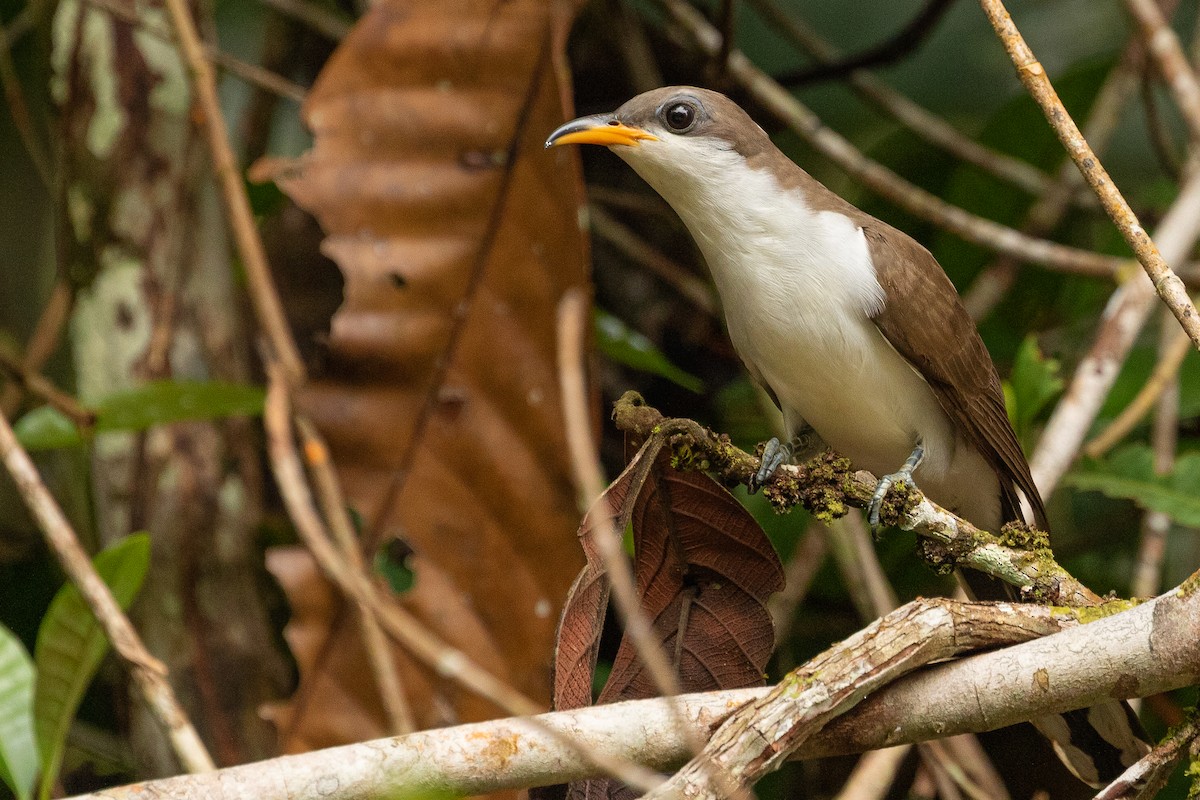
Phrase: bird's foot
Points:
(904, 474)
(775, 453)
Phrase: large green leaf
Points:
(70, 646)
(1129, 473)
(155, 403)
(626, 346)
(18, 751)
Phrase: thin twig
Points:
(1166, 283)
(263, 295)
(892, 49)
(1164, 439)
(333, 508)
(448, 662)
(589, 480)
(1164, 47)
(874, 774)
(319, 18)
(883, 181)
(1171, 356)
(42, 387)
(585, 464)
(916, 118)
(994, 281)
(22, 119)
(799, 571)
(635, 248)
(149, 674)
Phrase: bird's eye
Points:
(680, 117)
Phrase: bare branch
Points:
(1150, 648)
(265, 299)
(1166, 283)
(148, 672)
(916, 118)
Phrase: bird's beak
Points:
(598, 129)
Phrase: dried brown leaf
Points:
(457, 235)
(704, 570)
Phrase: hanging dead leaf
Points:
(457, 235)
(704, 570)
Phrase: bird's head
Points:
(681, 139)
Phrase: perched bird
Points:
(852, 328)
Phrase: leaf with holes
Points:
(704, 570)
(457, 234)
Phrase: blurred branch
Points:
(319, 18)
(400, 625)
(149, 674)
(1154, 641)
(1146, 778)
(928, 126)
(333, 508)
(698, 292)
(799, 571)
(1166, 283)
(881, 180)
(263, 295)
(891, 50)
(1164, 439)
(1171, 356)
(1124, 316)
(19, 110)
(42, 387)
(573, 318)
(874, 774)
(990, 286)
(1167, 53)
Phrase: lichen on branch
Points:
(828, 487)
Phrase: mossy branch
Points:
(828, 488)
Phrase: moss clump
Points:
(937, 556)
(1021, 536)
(818, 485)
(686, 458)
(898, 503)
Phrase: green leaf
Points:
(154, 403)
(392, 562)
(70, 646)
(1034, 382)
(18, 750)
(1129, 474)
(626, 346)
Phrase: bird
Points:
(854, 331)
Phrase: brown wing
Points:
(926, 322)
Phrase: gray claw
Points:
(774, 454)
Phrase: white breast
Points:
(799, 306)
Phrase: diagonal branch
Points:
(1166, 283)
(1148, 649)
